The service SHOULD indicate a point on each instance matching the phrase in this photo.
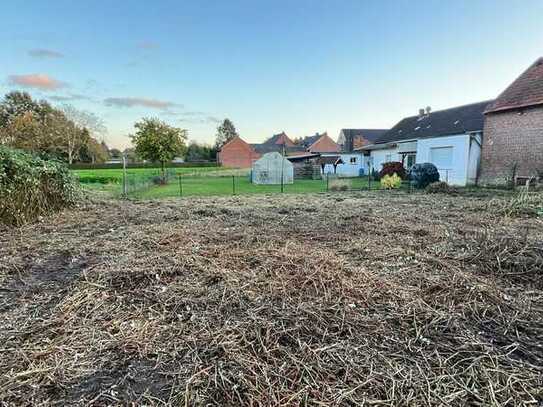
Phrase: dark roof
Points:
(275, 138)
(525, 91)
(369, 134)
(302, 157)
(264, 148)
(334, 160)
(446, 122)
(309, 140)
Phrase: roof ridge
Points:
(452, 108)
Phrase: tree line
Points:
(74, 135)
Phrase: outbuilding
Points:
(272, 169)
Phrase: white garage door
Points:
(442, 157)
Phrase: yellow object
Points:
(391, 181)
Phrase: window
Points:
(353, 160)
(410, 160)
(442, 157)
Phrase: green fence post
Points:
(233, 185)
(327, 182)
(180, 186)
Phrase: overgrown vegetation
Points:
(523, 203)
(31, 186)
(441, 187)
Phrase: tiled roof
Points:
(457, 120)
(368, 134)
(280, 138)
(264, 148)
(525, 91)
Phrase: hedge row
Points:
(31, 186)
(86, 166)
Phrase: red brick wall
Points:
(512, 138)
(237, 154)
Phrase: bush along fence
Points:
(31, 186)
(104, 166)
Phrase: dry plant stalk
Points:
(365, 299)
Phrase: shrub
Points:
(422, 175)
(393, 167)
(31, 186)
(339, 184)
(375, 175)
(391, 181)
(440, 187)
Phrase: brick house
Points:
(351, 139)
(513, 132)
(320, 143)
(239, 154)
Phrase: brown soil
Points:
(341, 299)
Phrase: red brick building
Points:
(236, 153)
(320, 143)
(513, 132)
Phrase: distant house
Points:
(451, 139)
(239, 154)
(320, 143)
(351, 139)
(513, 141)
(236, 153)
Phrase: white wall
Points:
(457, 172)
(380, 157)
(347, 169)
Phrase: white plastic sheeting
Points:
(269, 168)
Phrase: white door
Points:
(442, 158)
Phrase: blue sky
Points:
(270, 66)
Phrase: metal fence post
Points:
(124, 177)
(233, 185)
(327, 182)
(180, 185)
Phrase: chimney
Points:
(421, 112)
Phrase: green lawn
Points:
(213, 186)
(115, 175)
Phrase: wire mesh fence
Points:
(236, 183)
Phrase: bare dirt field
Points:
(317, 300)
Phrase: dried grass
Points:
(367, 299)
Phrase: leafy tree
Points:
(156, 141)
(37, 126)
(225, 132)
(115, 153)
(93, 152)
(200, 152)
(131, 156)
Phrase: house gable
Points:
(525, 91)
(237, 153)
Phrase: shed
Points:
(270, 168)
(333, 161)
